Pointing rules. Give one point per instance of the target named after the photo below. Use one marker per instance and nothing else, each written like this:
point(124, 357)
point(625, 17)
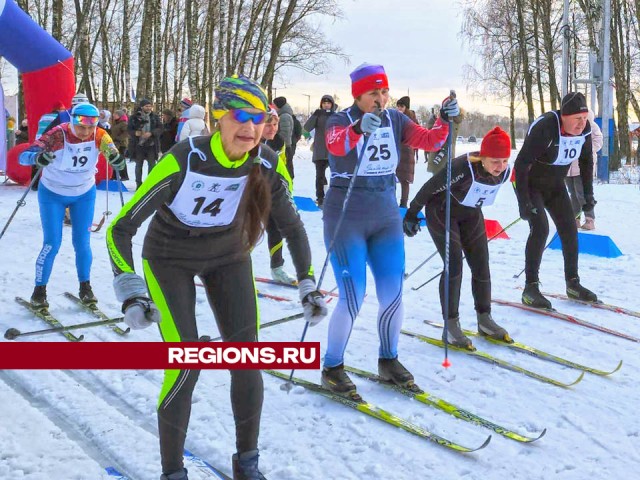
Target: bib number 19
point(212, 209)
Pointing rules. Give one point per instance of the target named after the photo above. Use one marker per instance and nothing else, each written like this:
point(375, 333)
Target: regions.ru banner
point(158, 355)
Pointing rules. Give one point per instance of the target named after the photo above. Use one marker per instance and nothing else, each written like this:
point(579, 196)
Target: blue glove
point(44, 158)
point(117, 161)
point(589, 204)
point(370, 122)
point(449, 109)
point(410, 224)
point(315, 309)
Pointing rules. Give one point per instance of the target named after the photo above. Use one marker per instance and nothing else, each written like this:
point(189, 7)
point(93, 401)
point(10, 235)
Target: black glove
point(439, 156)
point(44, 158)
point(117, 161)
point(411, 224)
point(589, 203)
point(527, 210)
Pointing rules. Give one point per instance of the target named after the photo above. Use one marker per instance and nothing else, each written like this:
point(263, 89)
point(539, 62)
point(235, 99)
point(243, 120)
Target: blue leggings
point(52, 208)
point(378, 242)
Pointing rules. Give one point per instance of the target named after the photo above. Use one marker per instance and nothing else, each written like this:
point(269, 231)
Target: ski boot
point(455, 337)
point(336, 380)
point(489, 328)
point(245, 466)
point(392, 371)
point(86, 294)
point(279, 274)
point(531, 296)
point(181, 475)
point(578, 292)
point(39, 298)
point(589, 224)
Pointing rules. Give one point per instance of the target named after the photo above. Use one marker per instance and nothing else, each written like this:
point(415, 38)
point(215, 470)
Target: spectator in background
point(104, 120)
point(183, 109)
point(147, 128)
point(318, 122)
point(169, 130)
point(286, 129)
point(120, 137)
point(195, 126)
point(407, 164)
point(47, 118)
point(574, 180)
point(22, 135)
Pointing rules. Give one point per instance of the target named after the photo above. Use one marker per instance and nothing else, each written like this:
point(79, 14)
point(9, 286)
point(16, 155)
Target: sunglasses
point(242, 116)
point(84, 120)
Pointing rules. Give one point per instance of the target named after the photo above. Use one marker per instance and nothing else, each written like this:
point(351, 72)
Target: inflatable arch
point(47, 70)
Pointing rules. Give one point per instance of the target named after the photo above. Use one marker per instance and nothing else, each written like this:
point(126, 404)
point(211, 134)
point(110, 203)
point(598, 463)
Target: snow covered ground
point(70, 425)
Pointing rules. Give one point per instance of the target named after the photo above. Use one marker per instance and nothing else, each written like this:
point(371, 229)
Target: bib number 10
point(379, 152)
point(212, 209)
point(570, 153)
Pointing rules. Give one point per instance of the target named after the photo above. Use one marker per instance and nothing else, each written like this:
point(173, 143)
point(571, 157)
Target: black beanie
point(279, 102)
point(573, 103)
point(404, 101)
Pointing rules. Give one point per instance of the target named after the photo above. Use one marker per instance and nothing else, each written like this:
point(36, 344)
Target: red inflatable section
point(16, 172)
point(493, 227)
point(104, 169)
point(46, 87)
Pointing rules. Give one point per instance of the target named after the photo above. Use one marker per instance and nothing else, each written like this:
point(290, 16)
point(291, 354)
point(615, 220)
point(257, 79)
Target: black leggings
point(321, 178)
point(275, 243)
point(468, 236)
point(555, 199)
point(231, 294)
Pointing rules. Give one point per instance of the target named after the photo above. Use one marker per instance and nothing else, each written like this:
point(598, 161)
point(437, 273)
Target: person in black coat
point(145, 128)
point(318, 121)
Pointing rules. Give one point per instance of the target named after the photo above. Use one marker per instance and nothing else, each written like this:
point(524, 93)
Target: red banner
point(158, 355)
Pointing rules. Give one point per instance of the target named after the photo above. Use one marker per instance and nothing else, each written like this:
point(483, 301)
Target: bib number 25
point(212, 209)
point(379, 152)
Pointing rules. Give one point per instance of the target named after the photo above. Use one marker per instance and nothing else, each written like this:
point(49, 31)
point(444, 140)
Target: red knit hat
point(496, 144)
point(368, 77)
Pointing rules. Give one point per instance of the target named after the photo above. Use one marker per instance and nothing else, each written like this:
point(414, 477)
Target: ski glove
point(449, 109)
point(370, 122)
point(527, 210)
point(410, 224)
point(313, 302)
point(117, 161)
point(139, 311)
point(44, 158)
point(589, 204)
point(438, 157)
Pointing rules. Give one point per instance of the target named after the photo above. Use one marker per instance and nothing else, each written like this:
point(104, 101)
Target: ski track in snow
point(73, 424)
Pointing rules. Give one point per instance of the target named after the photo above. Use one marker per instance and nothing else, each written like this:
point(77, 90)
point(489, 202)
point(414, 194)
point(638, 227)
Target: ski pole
point(206, 338)
point(120, 186)
point(288, 385)
point(107, 212)
point(13, 333)
point(447, 243)
point(545, 247)
point(407, 275)
point(464, 256)
point(21, 202)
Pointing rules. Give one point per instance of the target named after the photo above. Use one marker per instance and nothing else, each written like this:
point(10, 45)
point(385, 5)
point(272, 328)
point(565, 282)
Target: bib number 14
point(212, 209)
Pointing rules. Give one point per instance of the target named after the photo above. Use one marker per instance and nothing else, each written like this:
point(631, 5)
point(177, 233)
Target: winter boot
point(391, 370)
point(245, 466)
point(86, 294)
point(39, 298)
point(454, 335)
point(279, 274)
point(337, 380)
point(578, 226)
point(181, 475)
point(577, 291)
point(531, 296)
point(489, 328)
point(589, 224)
point(67, 217)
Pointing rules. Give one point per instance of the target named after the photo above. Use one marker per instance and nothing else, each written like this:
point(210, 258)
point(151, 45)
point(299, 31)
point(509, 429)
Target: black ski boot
point(86, 294)
point(181, 475)
point(391, 370)
point(578, 292)
point(489, 328)
point(39, 298)
point(245, 466)
point(531, 296)
point(455, 336)
point(336, 380)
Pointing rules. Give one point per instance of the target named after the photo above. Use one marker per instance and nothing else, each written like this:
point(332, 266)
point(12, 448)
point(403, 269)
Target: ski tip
point(578, 380)
point(486, 442)
point(542, 434)
point(612, 371)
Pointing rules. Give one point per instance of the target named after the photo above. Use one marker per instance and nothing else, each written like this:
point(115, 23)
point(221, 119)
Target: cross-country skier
point(371, 231)
point(210, 197)
point(554, 140)
point(68, 154)
point(475, 180)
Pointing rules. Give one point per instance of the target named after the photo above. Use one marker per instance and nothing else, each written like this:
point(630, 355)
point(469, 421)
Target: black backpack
point(297, 130)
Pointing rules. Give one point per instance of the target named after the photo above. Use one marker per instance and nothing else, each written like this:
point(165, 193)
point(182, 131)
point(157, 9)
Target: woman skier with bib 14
point(476, 179)
point(364, 146)
point(210, 197)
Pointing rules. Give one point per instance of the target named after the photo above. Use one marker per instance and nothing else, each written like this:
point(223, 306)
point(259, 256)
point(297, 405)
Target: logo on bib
point(233, 187)
point(215, 188)
point(197, 185)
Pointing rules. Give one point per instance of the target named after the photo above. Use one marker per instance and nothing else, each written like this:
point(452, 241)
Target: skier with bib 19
point(553, 142)
point(476, 179)
point(364, 141)
point(67, 155)
point(210, 197)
